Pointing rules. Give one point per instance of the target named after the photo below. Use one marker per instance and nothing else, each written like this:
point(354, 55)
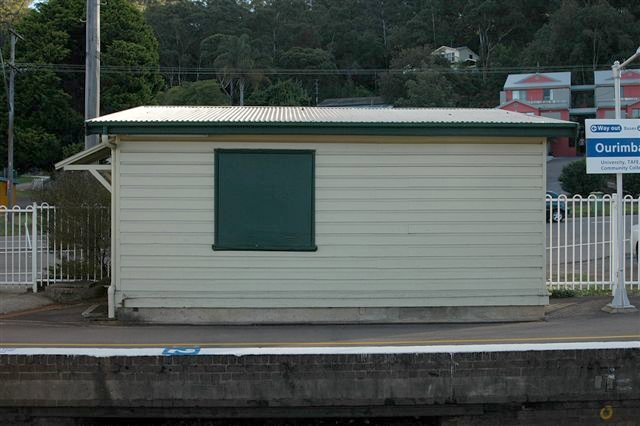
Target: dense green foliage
point(281, 93)
point(82, 220)
point(575, 180)
point(12, 10)
point(203, 92)
point(50, 95)
point(293, 52)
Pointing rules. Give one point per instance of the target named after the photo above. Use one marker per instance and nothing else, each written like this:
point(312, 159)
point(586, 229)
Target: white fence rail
point(40, 246)
point(581, 240)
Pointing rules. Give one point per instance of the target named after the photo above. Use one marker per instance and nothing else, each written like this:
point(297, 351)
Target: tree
point(279, 25)
point(203, 92)
point(233, 58)
point(575, 180)
point(348, 35)
point(128, 43)
point(581, 32)
point(179, 27)
point(44, 121)
point(432, 22)
point(351, 32)
point(282, 93)
point(12, 10)
point(82, 220)
point(631, 184)
point(419, 79)
point(303, 58)
point(35, 148)
point(492, 21)
point(428, 90)
point(50, 90)
point(315, 69)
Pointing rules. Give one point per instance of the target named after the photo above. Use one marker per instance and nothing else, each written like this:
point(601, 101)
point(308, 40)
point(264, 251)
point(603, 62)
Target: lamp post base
point(627, 309)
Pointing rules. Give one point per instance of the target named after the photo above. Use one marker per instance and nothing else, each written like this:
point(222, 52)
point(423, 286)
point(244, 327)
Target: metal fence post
point(613, 215)
point(34, 248)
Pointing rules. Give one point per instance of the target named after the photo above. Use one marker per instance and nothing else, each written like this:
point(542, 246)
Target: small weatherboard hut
point(292, 214)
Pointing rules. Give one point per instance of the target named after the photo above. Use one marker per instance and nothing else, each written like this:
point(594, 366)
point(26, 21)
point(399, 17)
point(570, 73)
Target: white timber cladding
point(397, 225)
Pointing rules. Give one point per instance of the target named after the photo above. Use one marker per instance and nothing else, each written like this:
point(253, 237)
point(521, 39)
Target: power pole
point(11, 99)
point(92, 69)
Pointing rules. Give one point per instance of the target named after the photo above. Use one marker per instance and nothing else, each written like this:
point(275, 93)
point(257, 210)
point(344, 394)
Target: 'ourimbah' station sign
point(613, 146)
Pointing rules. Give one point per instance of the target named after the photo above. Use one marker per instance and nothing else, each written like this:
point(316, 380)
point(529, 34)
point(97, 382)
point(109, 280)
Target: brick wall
point(423, 384)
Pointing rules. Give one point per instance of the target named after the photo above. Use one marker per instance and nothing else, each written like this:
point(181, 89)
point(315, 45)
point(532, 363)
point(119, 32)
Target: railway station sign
point(613, 146)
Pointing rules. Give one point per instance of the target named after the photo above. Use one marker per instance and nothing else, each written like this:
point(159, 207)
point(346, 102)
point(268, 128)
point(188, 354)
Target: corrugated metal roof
point(314, 120)
point(313, 115)
point(542, 106)
point(98, 152)
point(611, 103)
point(605, 78)
point(518, 81)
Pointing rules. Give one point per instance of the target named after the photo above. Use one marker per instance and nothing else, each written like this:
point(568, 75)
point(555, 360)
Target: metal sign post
point(620, 299)
point(613, 146)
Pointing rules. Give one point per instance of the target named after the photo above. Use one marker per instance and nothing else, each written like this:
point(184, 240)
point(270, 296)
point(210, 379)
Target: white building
point(457, 55)
point(290, 214)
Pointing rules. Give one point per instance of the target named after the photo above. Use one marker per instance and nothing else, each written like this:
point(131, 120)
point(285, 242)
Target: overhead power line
point(141, 69)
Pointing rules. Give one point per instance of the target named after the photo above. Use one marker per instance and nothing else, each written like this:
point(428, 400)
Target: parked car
point(556, 210)
point(635, 231)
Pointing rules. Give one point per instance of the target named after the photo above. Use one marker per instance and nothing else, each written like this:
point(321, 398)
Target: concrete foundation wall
point(402, 315)
point(444, 384)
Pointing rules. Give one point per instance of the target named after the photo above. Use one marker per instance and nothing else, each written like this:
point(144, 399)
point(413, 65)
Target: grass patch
point(597, 209)
point(24, 179)
point(561, 293)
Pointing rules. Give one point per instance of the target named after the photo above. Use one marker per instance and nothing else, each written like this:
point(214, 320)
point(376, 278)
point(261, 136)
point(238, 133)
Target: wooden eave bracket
point(88, 160)
point(95, 170)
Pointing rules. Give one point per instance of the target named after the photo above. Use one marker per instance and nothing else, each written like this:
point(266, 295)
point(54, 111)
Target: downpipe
point(111, 296)
point(111, 291)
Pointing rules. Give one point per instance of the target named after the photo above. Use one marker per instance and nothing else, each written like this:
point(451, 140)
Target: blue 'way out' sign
point(613, 146)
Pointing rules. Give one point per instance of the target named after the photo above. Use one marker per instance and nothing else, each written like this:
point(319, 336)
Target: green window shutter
point(264, 200)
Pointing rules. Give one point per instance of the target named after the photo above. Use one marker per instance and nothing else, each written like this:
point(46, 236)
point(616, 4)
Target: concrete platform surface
point(17, 299)
point(567, 320)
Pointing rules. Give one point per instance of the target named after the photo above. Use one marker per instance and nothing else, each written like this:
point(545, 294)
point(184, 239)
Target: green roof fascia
point(384, 129)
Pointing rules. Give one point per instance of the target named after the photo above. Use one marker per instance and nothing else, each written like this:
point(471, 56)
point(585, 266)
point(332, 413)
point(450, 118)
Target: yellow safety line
point(359, 343)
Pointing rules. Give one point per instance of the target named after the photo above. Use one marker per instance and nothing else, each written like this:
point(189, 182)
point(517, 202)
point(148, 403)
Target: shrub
point(82, 220)
point(561, 293)
point(575, 180)
point(631, 184)
point(282, 93)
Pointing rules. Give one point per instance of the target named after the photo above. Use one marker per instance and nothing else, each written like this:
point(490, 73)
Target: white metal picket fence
point(579, 246)
point(581, 240)
point(30, 253)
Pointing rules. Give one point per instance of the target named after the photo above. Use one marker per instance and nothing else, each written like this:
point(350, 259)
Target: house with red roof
point(541, 94)
point(629, 96)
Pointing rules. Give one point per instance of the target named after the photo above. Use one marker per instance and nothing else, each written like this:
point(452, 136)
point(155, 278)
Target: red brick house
point(541, 94)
